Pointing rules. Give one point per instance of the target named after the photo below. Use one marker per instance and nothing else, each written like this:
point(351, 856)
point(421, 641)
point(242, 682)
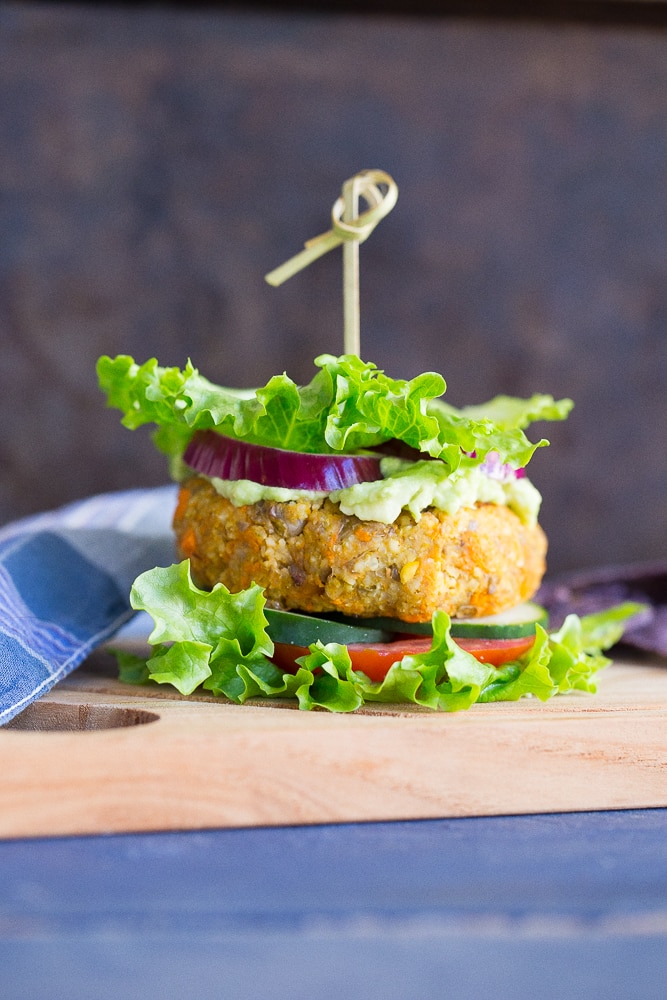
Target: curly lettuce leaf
point(498, 425)
point(200, 636)
point(348, 406)
point(509, 413)
point(218, 641)
point(369, 408)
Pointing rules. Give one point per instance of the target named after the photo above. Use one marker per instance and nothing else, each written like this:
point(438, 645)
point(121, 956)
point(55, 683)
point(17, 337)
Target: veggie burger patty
point(310, 556)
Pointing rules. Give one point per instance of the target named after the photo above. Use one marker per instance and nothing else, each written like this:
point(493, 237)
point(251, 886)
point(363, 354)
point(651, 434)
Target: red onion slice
point(212, 454)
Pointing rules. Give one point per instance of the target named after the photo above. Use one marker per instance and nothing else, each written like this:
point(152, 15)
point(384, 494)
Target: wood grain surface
point(95, 756)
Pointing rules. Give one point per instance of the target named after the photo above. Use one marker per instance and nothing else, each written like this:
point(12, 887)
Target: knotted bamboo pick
point(348, 228)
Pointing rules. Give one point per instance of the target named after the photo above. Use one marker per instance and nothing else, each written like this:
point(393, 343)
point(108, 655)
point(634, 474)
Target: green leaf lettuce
point(348, 406)
point(218, 641)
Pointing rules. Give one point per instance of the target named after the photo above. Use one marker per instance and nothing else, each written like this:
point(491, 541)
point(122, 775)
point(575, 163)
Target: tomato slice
point(497, 651)
point(375, 659)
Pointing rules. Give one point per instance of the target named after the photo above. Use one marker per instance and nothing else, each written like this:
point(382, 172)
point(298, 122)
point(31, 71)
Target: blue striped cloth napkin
point(65, 578)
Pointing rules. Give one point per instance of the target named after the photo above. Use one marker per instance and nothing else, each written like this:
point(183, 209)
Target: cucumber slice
point(515, 623)
point(300, 630)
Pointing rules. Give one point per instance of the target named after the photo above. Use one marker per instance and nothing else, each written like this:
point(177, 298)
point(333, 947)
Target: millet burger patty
point(309, 556)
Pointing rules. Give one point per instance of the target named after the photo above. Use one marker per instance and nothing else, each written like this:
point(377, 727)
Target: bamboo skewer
point(349, 228)
point(351, 317)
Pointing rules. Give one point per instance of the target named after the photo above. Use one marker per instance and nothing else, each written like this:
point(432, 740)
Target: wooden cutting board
point(95, 756)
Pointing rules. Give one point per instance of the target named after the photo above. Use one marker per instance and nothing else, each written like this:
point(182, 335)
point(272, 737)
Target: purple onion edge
point(213, 454)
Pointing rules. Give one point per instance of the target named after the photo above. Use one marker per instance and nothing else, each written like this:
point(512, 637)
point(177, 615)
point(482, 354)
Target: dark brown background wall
point(155, 163)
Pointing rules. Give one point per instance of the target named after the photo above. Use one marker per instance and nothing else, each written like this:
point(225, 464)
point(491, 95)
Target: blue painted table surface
point(546, 906)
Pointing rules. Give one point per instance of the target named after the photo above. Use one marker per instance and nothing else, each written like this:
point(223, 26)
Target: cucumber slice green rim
point(516, 623)
point(296, 629)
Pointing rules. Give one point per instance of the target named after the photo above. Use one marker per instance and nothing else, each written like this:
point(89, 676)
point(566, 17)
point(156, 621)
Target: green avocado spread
point(411, 486)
